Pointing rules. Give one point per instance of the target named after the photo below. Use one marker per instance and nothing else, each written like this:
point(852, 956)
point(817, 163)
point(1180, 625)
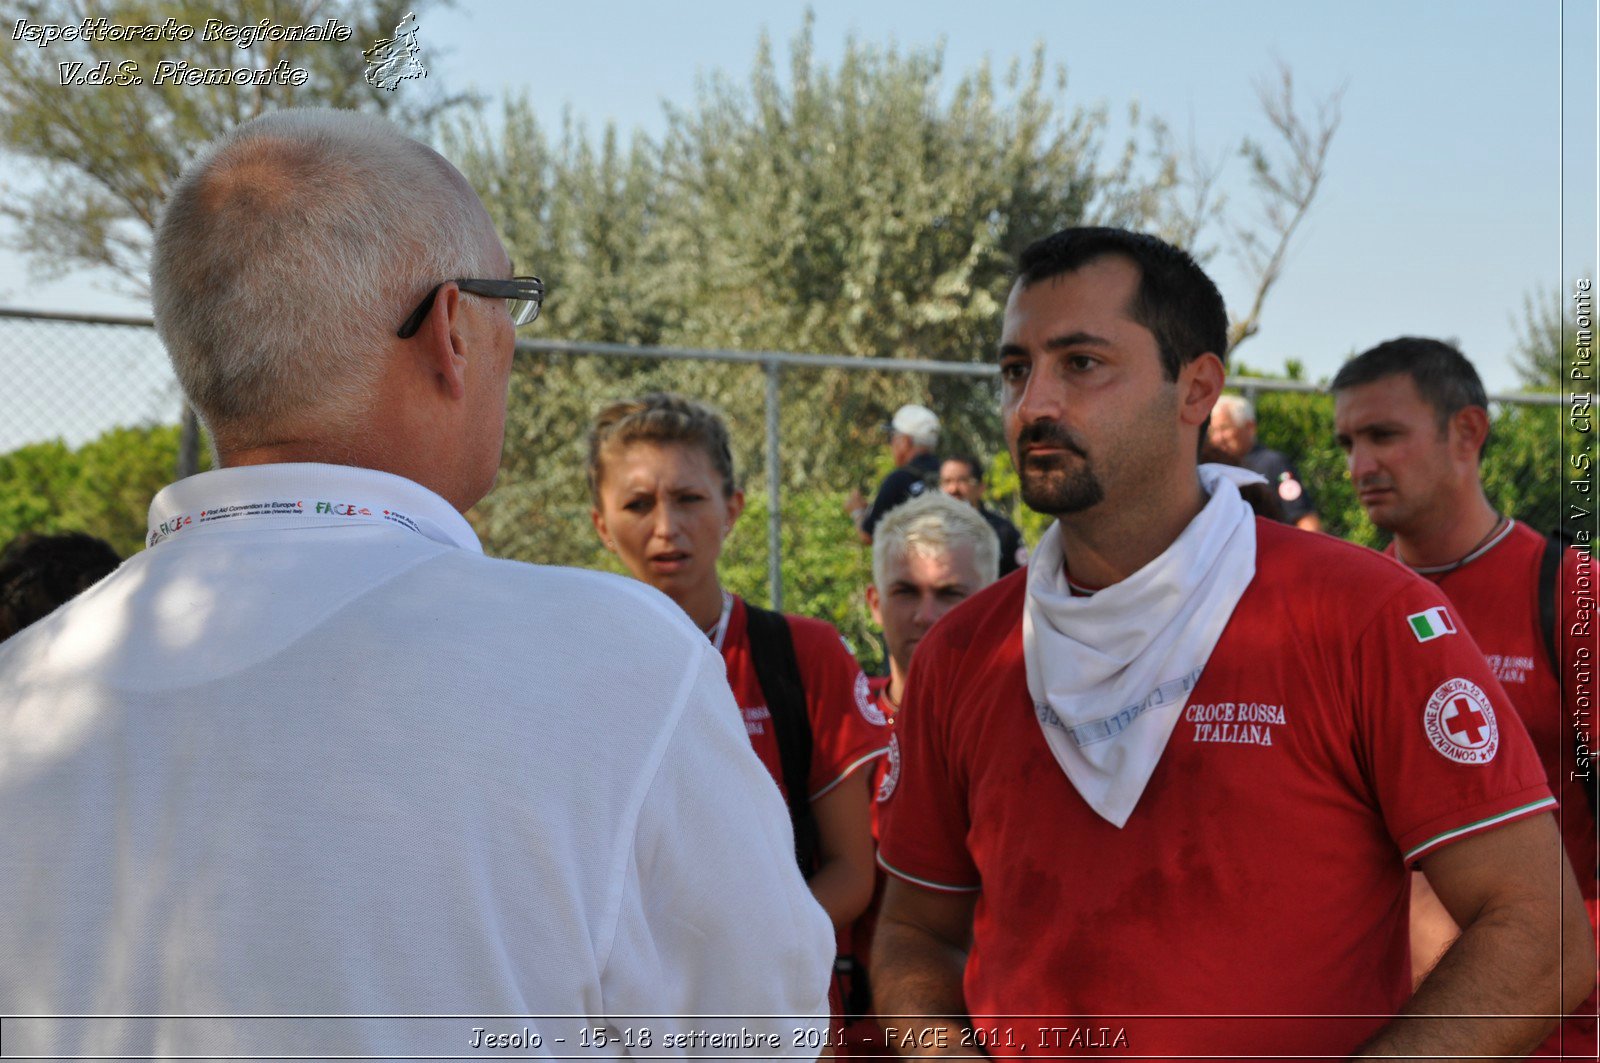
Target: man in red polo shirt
point(929, 555)
point(1412, 416)
point(1161, 796)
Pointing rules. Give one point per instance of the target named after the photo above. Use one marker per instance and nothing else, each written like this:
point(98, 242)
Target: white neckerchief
point(304, 496)
point(1110, 674)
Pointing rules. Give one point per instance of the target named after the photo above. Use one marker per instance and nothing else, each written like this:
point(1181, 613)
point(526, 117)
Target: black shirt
point(1011, 548)
point(1283, 479)
point(919, 474)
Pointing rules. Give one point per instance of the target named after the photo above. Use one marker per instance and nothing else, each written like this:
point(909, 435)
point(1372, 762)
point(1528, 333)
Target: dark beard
point(1049, 485)
point(1056, 491)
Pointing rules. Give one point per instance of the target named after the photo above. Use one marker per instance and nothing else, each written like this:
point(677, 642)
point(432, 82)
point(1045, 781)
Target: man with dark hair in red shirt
point(1164, 788)
point(1412, 417)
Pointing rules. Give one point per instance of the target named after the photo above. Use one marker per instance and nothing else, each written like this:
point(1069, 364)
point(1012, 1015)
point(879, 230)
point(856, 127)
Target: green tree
point(101, 159)
point(1287, 187)
point(825, 571)
point(1523, 469)
point(872, 207)
point(1536, 444)
point(34, 483)
point(103, 487)
point(1546, 352)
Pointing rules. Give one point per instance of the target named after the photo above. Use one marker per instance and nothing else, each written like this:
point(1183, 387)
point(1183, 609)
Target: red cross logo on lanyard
point(1466, 723)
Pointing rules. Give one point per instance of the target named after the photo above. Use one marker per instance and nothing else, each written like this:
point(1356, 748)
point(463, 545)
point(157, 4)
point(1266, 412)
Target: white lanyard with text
point(286, 511)
point(718, 633)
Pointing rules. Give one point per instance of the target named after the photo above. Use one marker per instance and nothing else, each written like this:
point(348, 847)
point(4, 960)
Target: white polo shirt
point(313, 754)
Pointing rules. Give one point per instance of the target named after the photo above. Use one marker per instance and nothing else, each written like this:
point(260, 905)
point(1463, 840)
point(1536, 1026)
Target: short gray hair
point(289, 253)
point(934, 523)
point(1237, 407)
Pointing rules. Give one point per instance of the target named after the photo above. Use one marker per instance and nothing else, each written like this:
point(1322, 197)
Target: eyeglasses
point(523, 296)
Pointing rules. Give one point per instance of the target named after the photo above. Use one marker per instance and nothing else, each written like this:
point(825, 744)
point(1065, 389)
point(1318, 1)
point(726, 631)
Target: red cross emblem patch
point(1459, 721)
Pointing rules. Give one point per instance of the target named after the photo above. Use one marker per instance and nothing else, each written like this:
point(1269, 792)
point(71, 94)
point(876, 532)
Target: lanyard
point(284, 511)
point(718, 633)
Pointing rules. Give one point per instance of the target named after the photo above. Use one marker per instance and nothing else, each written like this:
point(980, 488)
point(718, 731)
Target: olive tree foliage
point(1286, 187)
point(583, 216)
point(103, 487)
point(873, 206)
point(864, 209)
point(1546, 353)
point(99, 161)
point(1547, 359)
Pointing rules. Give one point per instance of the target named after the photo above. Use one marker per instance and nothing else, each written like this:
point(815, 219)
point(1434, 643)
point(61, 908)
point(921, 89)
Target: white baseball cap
point(918, 422)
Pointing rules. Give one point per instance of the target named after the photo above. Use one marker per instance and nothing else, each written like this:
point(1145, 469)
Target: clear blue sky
point(1443, 207)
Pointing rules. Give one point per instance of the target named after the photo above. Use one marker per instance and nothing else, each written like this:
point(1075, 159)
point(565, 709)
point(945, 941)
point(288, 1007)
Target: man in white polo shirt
point(312, 754)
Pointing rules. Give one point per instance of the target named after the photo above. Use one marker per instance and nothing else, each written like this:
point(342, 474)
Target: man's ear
point(443, 348)
point(874, 606)
point(1471, 429)
point(1199, 385)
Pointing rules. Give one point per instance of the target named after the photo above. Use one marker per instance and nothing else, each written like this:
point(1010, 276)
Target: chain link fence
point(94, 398)
point(72, 378)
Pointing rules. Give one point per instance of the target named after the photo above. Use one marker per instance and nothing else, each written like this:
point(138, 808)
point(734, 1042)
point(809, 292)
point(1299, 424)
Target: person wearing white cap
point(913, 433)
point(1233, 431)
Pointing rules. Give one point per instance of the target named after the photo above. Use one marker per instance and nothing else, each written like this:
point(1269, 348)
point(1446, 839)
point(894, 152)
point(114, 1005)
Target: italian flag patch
point(1431, 624)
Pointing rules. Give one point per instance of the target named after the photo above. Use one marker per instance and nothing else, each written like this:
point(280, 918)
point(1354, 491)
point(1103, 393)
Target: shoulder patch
point(866, 704)
point(1459, 722)
point(891, 778)
point(1431, 624)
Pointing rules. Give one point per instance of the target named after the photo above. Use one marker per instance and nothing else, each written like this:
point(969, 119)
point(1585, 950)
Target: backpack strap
point(778, 672)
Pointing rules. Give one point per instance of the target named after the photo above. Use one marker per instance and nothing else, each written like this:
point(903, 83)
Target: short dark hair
point(1176, 301)
point(1443, 376)
point(973, 464)
point(40, 572)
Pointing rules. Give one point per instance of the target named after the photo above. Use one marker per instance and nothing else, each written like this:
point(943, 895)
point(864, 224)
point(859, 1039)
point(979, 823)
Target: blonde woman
point(662, 484)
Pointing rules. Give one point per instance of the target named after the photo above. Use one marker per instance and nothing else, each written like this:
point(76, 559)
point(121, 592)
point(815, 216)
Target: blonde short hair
point(659, 417)
point(934, 523)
